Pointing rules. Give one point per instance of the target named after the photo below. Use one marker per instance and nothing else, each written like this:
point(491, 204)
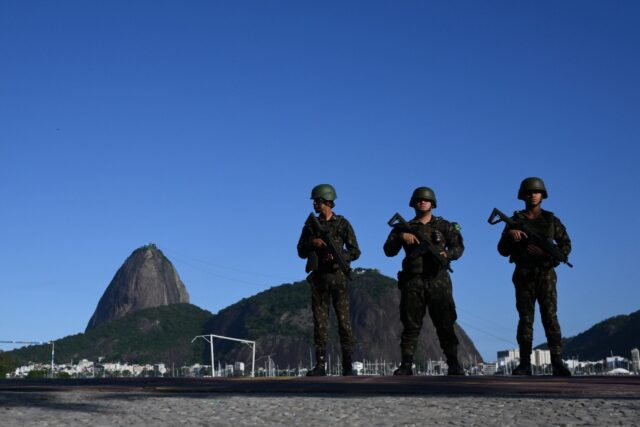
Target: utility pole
point(53, 352)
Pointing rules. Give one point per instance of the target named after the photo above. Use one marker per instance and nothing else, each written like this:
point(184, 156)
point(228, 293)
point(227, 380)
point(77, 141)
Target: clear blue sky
point(202, 126)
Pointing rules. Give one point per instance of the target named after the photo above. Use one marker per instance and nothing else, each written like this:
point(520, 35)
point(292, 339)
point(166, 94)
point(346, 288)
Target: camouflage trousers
point(327, 288)
point(537, 284)
point(418, 293)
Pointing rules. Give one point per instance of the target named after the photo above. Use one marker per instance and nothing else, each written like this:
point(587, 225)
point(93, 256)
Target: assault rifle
point(425, 247)
point(327, 236)
point(533, 238)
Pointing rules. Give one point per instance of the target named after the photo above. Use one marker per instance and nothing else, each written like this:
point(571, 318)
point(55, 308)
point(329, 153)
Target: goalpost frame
point(209, 338)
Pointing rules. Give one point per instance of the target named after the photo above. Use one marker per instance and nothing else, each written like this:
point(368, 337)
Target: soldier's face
point(423, 205)
point(533, 198)
point(317, 205)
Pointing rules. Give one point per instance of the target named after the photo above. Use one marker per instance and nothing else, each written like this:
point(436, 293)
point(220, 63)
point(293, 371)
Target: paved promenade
point(355, 401)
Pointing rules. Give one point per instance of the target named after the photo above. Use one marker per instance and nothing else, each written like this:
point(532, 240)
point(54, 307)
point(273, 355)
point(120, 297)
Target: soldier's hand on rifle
point(536, 251)
point(318, 243)
point(444, 254)
point(410, 239)
point(517, 235)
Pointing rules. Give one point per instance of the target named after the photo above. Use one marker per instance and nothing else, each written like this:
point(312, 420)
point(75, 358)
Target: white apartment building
point(540, 357)
point(635, 360)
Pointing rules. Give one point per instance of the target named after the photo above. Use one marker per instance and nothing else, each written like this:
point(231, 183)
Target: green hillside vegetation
point(160, 334)
point(7, 364)
point(278, 310)
point(617, 335)
point(265, 311)
point(272, 312)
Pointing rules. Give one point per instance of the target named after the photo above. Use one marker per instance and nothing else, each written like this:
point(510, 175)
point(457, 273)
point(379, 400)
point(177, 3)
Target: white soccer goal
point(209, 338)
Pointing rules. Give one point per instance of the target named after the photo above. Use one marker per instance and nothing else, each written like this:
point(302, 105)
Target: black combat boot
point(454, 367)
point(406, 368)
point(319, 370)
point(451, 353)
point(524, 368)
point(557, 365)
point(347, 365)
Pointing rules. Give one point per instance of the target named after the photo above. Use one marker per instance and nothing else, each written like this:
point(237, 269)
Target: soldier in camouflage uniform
point(328, 282)
point(424, 283)
point(534, 276)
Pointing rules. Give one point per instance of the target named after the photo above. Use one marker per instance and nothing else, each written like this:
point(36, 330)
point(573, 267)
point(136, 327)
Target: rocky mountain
point(617, 335)
point(278, 319)
point(146, 279)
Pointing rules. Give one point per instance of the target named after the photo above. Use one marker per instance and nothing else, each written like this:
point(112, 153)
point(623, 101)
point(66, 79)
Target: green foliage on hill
point(266, 310)
point(7, 364)
point(374, 283)
point(160, 334)
point(617, 335)
point(278, 310)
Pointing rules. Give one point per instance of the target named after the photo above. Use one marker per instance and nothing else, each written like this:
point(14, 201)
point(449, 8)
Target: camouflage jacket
point(546, 225)
point(343, 237)
point(444, 235)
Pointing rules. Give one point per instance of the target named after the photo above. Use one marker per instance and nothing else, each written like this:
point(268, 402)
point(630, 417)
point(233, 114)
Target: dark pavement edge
point(551, 387)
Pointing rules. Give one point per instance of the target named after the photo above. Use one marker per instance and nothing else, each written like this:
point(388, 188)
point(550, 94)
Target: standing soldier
point(424, 280)
point(534, 276)
point(328, 281)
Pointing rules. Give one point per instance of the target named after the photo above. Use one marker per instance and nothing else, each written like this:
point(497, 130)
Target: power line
point(220, 276)
point(224, 267)
point(486, 333)
point(493, 324)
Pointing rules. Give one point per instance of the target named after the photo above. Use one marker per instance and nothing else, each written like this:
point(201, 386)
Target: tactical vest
point(435, 231)
point(315, 262)
point(543, 225)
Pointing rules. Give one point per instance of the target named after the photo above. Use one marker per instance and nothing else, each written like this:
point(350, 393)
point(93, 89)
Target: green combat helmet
point(423, 193)
point(532, 184)
point(325, 192)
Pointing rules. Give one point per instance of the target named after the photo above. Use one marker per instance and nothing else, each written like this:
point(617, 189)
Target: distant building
point(228, 370)
point(238, 369)
point(160, 369)
point(615, 362)
point(488, 368)
point(573, 364)
point(512, 358)
point(635, 360)
point(507, 360)
point(509, 355)
point(540, 357)
point(195, 370)
point(358, 367)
